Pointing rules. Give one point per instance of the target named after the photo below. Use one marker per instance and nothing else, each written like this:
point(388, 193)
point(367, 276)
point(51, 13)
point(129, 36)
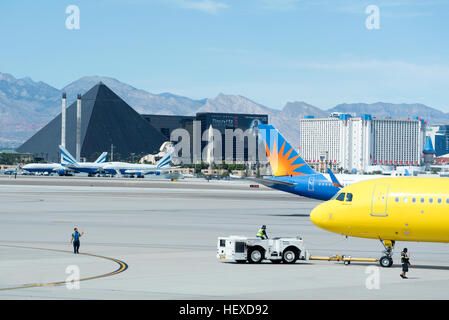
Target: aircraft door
point(311, 184)
point(379, 200)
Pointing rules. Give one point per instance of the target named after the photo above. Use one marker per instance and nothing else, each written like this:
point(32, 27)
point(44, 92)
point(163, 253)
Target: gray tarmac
point(166, 234)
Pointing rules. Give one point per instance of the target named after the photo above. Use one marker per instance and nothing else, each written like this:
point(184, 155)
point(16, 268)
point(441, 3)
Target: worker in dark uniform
point(262, 234)
point(405, 261)
point(76, 240)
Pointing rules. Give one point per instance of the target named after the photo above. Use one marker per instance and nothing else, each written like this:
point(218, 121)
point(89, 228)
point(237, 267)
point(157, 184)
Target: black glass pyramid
point(105, 119)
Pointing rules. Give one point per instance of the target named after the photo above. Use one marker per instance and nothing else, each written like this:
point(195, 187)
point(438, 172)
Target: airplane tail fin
point(407, 174)
point(284, 160)
point(165, 161)
point(334, 179)
point(67, 158)
point(102, 158)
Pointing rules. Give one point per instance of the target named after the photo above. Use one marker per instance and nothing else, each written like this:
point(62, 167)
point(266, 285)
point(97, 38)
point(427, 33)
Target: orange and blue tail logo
point(284, 160)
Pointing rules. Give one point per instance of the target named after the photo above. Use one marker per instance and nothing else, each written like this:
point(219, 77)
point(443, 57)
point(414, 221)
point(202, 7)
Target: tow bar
point(346, 259)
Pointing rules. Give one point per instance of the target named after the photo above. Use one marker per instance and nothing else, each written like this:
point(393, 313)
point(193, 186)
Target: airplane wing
point(164, 168)
point(146, 171)
point(62, 169)
point(134, 171)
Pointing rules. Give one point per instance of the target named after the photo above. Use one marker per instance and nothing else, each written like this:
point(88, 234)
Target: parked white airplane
point(68, 161)
point(45, 168)
point(123, 168)
point(12, 171)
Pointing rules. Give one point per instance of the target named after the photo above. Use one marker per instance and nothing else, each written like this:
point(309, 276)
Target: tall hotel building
point(349, 142)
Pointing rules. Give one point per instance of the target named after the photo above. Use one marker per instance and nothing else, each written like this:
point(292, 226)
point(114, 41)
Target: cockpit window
point(349, 197)
point(340, 197)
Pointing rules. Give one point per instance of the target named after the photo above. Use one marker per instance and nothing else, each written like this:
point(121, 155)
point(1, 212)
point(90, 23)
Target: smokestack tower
point(64, 105)
point(78, 128)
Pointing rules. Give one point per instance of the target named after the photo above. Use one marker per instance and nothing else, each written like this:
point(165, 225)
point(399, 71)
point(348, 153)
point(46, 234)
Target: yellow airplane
point(389, 209)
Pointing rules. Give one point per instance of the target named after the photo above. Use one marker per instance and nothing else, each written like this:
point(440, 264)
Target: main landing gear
point(387, 261)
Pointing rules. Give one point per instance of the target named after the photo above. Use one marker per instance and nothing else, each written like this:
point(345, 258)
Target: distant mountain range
point(26, 106)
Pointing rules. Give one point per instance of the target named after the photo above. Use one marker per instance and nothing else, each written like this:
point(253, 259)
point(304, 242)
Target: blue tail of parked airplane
point(66, 158)
point(284, 160)
point(290, 172)
point(165, 160)
point(102, 158)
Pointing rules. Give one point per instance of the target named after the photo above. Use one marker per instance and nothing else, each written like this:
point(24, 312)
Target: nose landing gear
point(387, 261)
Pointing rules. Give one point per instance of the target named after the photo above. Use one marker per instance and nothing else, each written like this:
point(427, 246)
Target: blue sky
point(271, 51)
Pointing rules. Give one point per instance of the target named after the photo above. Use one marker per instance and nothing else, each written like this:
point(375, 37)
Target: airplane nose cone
point(318, 216)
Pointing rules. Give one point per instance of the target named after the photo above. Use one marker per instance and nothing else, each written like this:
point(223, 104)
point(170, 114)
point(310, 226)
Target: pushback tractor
point(255, 250)
point(242, 249)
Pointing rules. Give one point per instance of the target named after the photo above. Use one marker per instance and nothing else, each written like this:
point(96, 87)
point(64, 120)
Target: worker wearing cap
point(262, 234)
point(405, 261)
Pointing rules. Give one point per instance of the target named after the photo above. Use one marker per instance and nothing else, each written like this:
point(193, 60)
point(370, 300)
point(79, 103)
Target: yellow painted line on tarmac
point(122, 267)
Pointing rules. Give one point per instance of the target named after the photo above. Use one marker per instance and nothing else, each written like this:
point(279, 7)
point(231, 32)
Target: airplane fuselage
point(86, 167)
point(399, 208)
point(310, 186)
point(130, 168)
point(43, 167)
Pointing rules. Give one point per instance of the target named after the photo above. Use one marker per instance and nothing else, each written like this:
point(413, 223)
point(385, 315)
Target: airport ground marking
point(122, 267)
